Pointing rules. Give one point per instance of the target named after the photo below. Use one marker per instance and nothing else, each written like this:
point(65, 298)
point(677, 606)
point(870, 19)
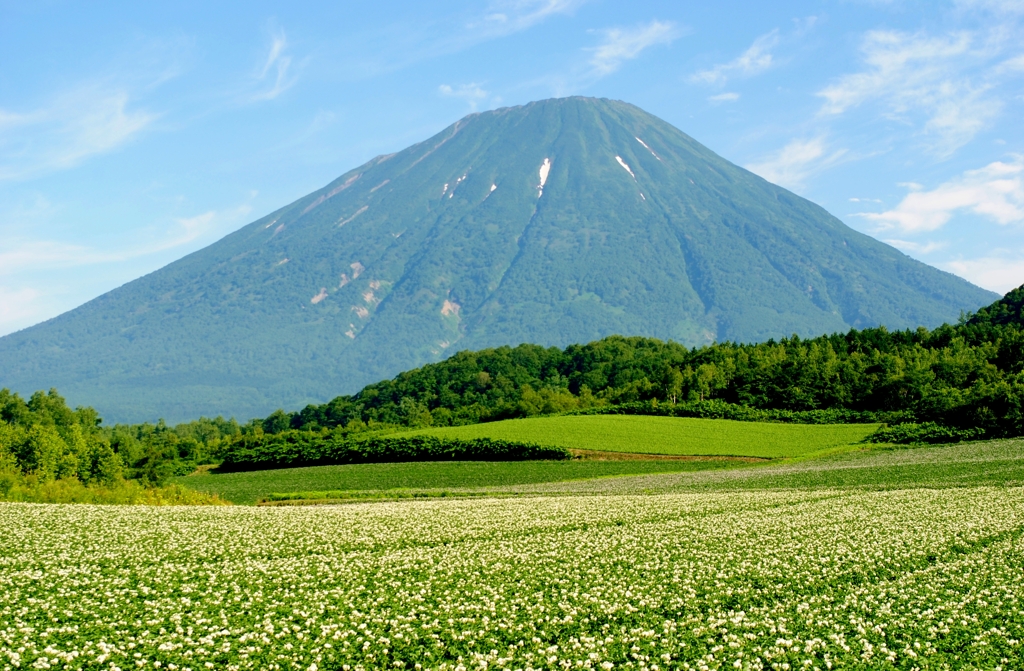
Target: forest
point(49, 452)
point(956, 382)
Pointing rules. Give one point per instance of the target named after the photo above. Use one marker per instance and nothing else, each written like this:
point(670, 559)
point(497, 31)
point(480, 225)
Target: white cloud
point(999, 273)
point(725, 98)
point(275, 70)
point(997, 6)
point(921, 75)
point(511, 16)
point(791, 165)
point(18, 308)
point(756, 59)
point(620, 44)
point(917, 247)
point(1011, 65)
point(31, 255)
point(73, 127)
point(995, 192)
point(473, 93)
point(41, 254)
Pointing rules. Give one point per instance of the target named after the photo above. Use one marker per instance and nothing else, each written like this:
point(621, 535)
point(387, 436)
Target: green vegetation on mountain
point(454, 244)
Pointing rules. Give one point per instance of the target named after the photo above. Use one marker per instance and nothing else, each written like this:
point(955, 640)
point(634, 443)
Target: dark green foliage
point(928, 432)
point(715, 409)
point(386, 269)
point(45, 440)
point(308, 448)
point(1008, 310)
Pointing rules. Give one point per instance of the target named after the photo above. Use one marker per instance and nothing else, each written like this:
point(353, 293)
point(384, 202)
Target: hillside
point(557, 222)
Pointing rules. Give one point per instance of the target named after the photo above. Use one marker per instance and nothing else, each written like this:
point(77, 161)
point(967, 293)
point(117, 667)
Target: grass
point(371, 479)
point(668, 435)
point(986, 463)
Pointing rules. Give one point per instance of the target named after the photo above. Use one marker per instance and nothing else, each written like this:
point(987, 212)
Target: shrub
point(926, 432)
point(308, 448)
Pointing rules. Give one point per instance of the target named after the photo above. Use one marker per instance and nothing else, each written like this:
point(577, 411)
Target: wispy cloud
point(1001, 271)
point(793, 164)
point(472, 93)
point(917, 74)
point(73, 127)
point(510, 16)
point(917, 247)
point(20, 307)
point(756, 59)
point(24, 255)
point(995, 192)
point(623, 44)
point(275, 77)
point(996, 6)
point(725, 98)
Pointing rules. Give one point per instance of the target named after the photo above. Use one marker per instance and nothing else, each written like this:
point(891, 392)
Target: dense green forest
point(966, 376)
point(49, 452)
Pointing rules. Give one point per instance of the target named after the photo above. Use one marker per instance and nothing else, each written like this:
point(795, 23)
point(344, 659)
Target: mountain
point(556, 222)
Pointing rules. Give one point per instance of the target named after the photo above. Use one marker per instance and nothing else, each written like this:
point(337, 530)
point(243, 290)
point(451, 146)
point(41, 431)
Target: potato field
point(788, 579)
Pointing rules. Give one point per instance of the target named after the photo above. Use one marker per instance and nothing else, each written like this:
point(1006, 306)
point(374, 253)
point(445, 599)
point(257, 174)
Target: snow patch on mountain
point(545, 170)
point(623, 164)
point(647, 148)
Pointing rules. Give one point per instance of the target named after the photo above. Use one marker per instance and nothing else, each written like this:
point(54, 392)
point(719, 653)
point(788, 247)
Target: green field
point(905, 559)
point(662, 436)
point(250, 487)
point(667, 435)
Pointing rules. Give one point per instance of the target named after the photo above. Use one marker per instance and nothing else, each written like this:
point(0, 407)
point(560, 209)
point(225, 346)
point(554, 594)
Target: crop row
point(784, 580)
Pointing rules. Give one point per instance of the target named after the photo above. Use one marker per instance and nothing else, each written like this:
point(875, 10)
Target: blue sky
point(134, 133)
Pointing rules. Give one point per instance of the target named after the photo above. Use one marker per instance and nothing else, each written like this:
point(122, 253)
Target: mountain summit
point(556, 222)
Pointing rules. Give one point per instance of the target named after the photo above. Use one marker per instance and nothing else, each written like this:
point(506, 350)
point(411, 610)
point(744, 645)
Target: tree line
point(49, 451)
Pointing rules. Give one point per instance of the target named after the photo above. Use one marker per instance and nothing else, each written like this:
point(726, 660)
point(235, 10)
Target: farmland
point(667, 435)
point(249, 487)
point(919, 578)
point(877, 558)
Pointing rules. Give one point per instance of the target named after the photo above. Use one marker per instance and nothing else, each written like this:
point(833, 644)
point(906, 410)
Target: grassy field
point(923, 575)
point(611, 434)
point(250, 487)
point(668, 435)
point(987, 463)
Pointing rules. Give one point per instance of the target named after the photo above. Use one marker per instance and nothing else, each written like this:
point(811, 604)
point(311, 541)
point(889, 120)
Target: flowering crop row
point(764, 580)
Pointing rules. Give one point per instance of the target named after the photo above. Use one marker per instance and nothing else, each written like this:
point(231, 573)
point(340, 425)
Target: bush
point(308, 448)
point(33, 489)
point(715, 409)
point(926, 432)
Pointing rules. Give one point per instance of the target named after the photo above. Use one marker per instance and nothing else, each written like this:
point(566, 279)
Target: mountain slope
point(560, 221)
